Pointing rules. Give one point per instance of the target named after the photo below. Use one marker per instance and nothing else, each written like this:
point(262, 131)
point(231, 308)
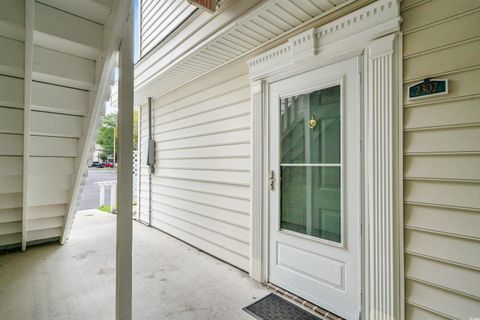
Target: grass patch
point(106, 208)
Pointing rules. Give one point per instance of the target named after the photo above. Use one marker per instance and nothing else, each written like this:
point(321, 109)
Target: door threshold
point(317, 310)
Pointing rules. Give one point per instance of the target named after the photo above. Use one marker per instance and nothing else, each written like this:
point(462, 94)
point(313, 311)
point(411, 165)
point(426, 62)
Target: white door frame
point(372, 31)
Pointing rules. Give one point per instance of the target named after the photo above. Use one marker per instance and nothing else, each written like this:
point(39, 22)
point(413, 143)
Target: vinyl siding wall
point(159, 18)
point(201, 186)
point(442, 160)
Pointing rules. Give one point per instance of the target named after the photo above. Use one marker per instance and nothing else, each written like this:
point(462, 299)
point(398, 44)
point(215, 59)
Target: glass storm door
point(315, 179)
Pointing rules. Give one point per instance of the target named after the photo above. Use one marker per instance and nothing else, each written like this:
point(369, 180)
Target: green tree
point(105, 136)
point(106, 132)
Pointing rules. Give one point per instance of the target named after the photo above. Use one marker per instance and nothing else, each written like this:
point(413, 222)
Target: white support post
point(102, 195)
point(123, 310)
point(257, 241)
point(29, 23)
point(381, 145)
point(113, 196)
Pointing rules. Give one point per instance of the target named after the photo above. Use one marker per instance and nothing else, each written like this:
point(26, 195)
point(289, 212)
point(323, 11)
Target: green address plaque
point(428, 88)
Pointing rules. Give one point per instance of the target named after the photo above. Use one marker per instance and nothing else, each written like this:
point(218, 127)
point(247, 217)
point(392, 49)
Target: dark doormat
point(272, 307)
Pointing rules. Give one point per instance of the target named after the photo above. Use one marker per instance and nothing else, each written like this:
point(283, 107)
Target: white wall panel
point(53, 146)
point(48, 196)
point(442, 161)
point(10, 190)
point(45, 223)
point(10, 215)
point(11, 92)
point(52, 165)
point(200, 189)
point(11, 144)
point(11, 57)
point(52, 98)
point(35, 235)
point(94, 10)
point(58, 125)
point(63, 69)
point(10, 201)
point(12, 19)
point(58, 30)
point(41, 212)
point(159, 19)
point(11, 120)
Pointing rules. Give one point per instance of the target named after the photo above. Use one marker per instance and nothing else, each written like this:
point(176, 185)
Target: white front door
point(315, 186)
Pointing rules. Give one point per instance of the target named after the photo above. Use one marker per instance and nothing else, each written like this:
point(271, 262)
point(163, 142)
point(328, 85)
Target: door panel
point(314, 154)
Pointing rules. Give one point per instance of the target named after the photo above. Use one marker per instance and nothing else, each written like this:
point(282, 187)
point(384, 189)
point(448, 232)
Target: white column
point(102, 195)
point(381, 145)
point(113, 196)
point(257, 183)
point(123, 309)
point(29, 23)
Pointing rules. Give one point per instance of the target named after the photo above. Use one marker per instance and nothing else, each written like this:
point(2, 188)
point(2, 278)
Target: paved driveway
point(91, 192)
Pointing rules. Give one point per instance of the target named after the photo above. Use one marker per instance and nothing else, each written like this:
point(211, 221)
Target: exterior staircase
point(56, 63)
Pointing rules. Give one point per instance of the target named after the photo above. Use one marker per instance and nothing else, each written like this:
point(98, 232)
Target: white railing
point(113, 193)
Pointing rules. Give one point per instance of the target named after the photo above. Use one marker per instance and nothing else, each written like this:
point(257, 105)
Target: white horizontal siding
point(11, 92)
point(442, 161)
point(159, 19)
point(200, 189)
point(11, 120)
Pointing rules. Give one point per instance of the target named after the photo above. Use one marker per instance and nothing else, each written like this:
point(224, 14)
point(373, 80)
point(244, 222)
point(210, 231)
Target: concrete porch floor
point(171, 280)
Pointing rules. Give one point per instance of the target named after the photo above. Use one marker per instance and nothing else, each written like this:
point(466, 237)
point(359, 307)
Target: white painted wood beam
point(124, 177)
point(29, 23)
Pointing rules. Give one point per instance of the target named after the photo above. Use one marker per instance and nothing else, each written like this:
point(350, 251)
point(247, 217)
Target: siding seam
point(435, 205)
point(445, 73)
point(197, 236)
point(442, 233)
point(441, 101)
point(429, 310)
point(453, 263)
point(226, 235)
point(205, 192)
point(437, 49)
point(439, 22)
point(201, 203)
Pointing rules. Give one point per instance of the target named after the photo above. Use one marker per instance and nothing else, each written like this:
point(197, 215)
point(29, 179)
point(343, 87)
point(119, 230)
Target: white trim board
point(371, 31)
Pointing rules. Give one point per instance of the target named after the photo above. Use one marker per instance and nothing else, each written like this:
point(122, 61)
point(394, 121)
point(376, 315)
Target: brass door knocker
point(312, 123)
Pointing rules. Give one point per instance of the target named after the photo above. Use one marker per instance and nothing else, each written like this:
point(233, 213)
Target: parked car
point(96, 164)
point(108, 164)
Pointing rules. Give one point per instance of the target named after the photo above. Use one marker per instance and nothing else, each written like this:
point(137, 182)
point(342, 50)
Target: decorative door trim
point(372, 31)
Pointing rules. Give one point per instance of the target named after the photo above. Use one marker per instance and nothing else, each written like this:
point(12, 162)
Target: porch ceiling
point(163, 71)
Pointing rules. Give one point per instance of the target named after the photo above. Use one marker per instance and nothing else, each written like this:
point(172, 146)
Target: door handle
point(271, 180)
